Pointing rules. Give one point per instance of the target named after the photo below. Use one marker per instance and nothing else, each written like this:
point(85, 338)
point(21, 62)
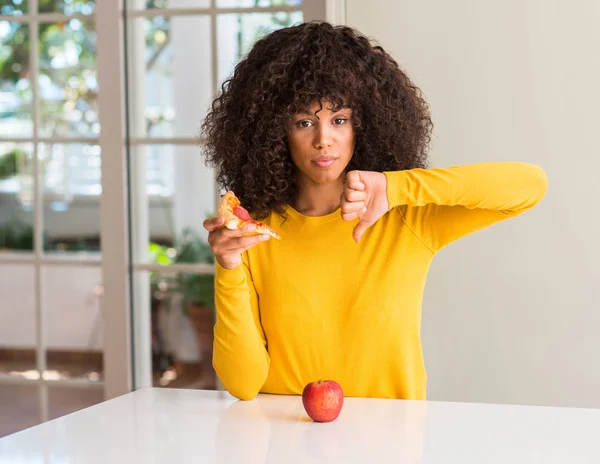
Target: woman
point(323, 137)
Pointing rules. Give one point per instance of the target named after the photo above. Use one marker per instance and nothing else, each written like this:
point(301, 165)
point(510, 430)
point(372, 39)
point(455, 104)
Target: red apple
point(323, 400)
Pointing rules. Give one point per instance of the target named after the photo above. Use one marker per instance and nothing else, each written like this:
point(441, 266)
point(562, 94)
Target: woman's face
point(321, 142)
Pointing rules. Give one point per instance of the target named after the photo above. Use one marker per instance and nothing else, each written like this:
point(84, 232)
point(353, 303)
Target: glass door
point(179, 51)
point(54, 323)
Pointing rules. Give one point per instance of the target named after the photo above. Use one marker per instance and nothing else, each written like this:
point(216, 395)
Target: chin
point(325, 177)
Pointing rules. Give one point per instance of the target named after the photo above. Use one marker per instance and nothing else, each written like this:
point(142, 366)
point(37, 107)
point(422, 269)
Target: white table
point(193, 426)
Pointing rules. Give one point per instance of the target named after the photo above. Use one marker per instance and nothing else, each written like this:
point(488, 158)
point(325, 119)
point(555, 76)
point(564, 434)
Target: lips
point(324, 161)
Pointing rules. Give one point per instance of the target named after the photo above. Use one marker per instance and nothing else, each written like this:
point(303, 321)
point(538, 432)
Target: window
point(55, 104)
point(62, 81)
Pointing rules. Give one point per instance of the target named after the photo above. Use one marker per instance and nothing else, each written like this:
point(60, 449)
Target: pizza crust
point(229, 203)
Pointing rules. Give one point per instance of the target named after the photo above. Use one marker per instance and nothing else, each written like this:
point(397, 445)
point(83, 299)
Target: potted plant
point(161, 287)
point(197, 291)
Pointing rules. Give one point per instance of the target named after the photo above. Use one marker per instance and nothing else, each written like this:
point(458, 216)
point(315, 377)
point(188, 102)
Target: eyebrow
point(334, 110)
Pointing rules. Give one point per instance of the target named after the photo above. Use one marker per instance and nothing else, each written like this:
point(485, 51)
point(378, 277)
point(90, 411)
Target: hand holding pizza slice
point(236, 217)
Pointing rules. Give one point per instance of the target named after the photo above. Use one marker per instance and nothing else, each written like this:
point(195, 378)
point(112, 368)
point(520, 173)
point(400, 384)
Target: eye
point(305, 123)
point(340, 121)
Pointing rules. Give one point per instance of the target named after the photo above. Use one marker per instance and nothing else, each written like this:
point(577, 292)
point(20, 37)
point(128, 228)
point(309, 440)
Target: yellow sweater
point(317, 305)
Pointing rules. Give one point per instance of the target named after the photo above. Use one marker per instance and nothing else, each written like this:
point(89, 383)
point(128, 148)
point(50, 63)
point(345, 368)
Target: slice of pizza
point(237, 217)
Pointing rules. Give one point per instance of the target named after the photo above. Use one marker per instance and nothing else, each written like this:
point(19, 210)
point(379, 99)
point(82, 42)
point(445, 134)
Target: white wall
point(511, 314)
point(74, 319)
point(82, 217)
point(73, 311)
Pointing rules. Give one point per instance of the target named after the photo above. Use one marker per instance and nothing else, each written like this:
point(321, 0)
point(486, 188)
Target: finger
point(359, 230)
point(353, 207)
point(355, 195)
point(239, 231)
point(354, 181)
point(213, 223)
point(262, 238)
point(244, 242)
point(352, 216)
point(223, 234)
point(248, 228)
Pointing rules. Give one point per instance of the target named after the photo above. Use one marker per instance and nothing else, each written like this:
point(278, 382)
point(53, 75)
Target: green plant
point(197, 289)
point(191, 248)
point(160, 254)
point(9, 163)
point(159, 283)
point(18, 235)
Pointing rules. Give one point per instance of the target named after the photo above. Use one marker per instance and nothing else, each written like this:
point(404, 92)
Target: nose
point(322, 137)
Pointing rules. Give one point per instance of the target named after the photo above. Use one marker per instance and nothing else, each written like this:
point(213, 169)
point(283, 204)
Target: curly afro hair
point(288, 70)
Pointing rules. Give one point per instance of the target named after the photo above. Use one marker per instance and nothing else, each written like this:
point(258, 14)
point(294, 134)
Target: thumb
point(360, 229)
point(354, 176)
point(354, 181)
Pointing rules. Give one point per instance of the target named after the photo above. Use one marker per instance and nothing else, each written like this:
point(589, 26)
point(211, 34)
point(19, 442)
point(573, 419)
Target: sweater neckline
point(312, 220)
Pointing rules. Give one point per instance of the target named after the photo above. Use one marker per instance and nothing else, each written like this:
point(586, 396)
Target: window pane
point(17, 321)
point(255, 3)
point(71, 197)
point(65, 400)
point(71, 169)
point(150, 4)
point(74, 336)
point(16, 190)
point(15, 85)
point(85, 7)
point(181, 309)
point(19, 412)
point(170, 80)
point(13, 7)
point(180, 198)
point(71, 187)
point(238, 32)
point(67, 83)
point(167, 229)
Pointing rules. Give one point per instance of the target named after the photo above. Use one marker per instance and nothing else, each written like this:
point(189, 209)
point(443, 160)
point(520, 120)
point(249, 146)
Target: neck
point(318, 199)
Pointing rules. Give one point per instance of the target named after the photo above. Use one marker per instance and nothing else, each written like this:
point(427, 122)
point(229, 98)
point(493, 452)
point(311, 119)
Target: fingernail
point(265, 237)
point(364, 209)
